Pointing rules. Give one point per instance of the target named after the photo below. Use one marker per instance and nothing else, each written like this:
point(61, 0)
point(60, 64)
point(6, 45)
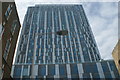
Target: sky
point(102, 16)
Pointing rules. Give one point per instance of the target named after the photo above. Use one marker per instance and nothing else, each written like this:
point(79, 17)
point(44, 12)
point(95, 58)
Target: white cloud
point(108, 9)
point(108, 39)
point(21, 8)
point(97, 24)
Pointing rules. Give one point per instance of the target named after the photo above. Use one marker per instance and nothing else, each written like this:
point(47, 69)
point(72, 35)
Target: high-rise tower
point(52, 56)
point(9, 31)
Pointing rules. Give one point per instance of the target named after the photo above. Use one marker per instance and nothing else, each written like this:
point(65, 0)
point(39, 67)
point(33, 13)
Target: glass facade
point(59, 56)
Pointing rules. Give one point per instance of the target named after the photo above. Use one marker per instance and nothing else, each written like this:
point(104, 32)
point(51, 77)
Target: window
point(14, 25)
point(74, 69)
point(51, 70)
point(119, 62)
point(17, 71)
point(90, 68)
point(25, 71)
point(107, 75)
point(95, 75)
point(8, 11)
point(86, 55)
point(65, 57)
point(86, 75)
point(1, 30)
point(105, 67)
point(62, 69)
point(79, 57)
point(6, 49)
point(70, 57)
point(42, 70)
point(112, 66)
point(6, 14)
point(29, 60)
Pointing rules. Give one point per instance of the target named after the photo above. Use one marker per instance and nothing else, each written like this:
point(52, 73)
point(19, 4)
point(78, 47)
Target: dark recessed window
point(119, 62)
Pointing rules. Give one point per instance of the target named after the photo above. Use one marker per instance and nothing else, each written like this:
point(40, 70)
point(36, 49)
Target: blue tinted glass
point(70, 57)
point(17, 71)
point(42, 70)
point(6, 14)
point(66, 57)
point(51, 70)
point(79, 59)
point(86, 55)
point(29, 60)
point(74, 69)
point(105, 67)
point(86, 75)
point(90, 68)
point(107, 75)
point(25, 71)
point(112, 66)
point(62, 69)
point(95, 75)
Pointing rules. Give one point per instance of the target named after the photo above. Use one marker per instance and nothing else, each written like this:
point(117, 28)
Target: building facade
point(52, 56)
point(116, 55)
point(9, 30)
